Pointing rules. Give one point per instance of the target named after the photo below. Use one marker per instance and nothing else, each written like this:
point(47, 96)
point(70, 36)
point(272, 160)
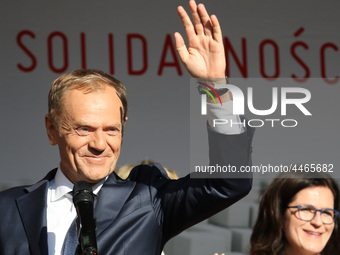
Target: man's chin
point(95, 178)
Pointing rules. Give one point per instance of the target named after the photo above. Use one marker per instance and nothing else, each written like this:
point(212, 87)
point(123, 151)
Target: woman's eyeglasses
point(308, 212)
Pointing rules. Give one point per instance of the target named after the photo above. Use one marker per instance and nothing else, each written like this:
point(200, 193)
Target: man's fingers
point(216, 28)
point(196, 17)
point(180, 47)
point(188, 26)
point(203, 24)
point(205, 20)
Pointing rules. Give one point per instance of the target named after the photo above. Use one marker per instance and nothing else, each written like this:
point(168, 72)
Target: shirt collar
point(61, 186)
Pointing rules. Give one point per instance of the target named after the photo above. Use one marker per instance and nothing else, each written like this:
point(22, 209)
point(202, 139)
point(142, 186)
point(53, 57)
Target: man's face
point(90, 134)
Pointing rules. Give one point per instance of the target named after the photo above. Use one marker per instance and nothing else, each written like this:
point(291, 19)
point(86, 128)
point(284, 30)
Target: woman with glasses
point(298, 215)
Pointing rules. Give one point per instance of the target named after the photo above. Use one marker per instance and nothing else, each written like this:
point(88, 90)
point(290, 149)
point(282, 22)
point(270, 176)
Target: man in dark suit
point(87, 114)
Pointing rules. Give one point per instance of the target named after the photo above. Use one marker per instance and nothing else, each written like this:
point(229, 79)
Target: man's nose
point(98, 140)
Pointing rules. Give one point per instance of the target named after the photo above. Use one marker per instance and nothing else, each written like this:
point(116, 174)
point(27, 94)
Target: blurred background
point(268, 44)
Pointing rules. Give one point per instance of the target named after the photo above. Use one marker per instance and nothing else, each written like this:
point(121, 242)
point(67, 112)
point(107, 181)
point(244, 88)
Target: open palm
point(204, 58)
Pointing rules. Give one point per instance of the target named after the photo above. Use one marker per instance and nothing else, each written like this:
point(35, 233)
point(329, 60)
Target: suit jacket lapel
point(111, 199)
point(32, 209)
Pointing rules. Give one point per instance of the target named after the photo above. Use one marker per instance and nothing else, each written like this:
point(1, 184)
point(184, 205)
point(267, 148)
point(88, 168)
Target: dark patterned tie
point(71, 240)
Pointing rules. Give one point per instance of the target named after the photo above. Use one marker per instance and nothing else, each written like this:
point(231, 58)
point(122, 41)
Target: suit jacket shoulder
point(23, 218)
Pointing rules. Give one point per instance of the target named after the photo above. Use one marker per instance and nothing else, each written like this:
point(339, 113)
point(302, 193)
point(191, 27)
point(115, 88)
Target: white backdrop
point(133, 40)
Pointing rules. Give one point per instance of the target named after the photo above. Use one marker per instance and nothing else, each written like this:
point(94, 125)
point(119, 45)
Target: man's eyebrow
point(80, 124)
point(86, 124)
point(116, 124)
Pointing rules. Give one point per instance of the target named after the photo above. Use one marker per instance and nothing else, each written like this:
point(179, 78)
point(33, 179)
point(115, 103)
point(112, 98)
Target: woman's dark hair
point(268, 237)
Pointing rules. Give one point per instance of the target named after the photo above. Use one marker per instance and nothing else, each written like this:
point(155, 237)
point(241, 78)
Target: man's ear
point(52, 131)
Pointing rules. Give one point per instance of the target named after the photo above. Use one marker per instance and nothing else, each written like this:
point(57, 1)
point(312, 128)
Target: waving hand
point(204, 57)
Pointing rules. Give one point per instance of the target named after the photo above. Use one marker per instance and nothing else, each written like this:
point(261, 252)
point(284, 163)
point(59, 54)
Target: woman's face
point(308, 237)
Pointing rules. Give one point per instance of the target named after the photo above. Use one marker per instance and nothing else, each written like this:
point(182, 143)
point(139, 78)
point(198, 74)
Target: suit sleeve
point(189, 200)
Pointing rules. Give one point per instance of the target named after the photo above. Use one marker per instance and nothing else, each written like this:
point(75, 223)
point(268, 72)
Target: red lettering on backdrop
point(50, 52)
point(169, 45)
point(83, 50)
point(243, 67)
point(27, 51)
point(297, 58)
point(262, 59)
point(323, 63)
point(111, 54)
point(58, 41)
point(142, 70)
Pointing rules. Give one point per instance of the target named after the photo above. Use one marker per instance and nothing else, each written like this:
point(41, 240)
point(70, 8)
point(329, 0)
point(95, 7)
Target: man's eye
point(82, 131)
point(113, 131)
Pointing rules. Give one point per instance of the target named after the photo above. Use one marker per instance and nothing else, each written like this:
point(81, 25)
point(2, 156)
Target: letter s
point(27, 51)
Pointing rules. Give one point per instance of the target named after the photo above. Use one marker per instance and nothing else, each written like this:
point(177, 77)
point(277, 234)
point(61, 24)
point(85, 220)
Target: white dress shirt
point(61, 211)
